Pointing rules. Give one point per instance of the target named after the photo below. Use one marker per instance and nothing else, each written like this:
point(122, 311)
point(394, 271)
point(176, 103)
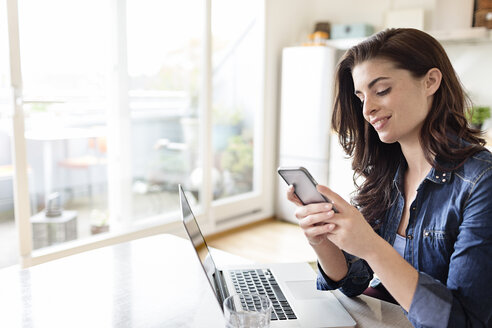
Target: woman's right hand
point(312, 219)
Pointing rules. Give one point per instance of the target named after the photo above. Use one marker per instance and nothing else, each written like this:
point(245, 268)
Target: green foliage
point(99, 218)
point(39, 107)
point(238, 156)
point(226, 116)
point(478, 115)
point(171, 162)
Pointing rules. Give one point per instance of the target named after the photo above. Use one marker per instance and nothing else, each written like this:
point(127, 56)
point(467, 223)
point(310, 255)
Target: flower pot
point(99, 229)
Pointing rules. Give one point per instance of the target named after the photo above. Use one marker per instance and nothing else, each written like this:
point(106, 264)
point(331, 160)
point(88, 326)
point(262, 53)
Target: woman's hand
point(311, 218)
point(347, 229)
point(314, 221)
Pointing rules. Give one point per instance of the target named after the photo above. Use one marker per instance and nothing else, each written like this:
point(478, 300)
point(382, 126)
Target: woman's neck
point(418, 166)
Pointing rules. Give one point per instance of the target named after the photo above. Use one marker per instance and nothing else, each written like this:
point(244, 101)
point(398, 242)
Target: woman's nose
point(369, 107)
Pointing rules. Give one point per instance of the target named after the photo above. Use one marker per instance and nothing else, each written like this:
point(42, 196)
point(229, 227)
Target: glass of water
point(247, 311)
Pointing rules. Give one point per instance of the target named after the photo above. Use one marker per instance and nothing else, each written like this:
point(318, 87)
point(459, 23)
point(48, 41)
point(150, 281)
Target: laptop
point(290, 286)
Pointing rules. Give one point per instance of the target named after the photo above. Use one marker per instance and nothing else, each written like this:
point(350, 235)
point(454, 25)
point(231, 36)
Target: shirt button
point(444, 174)
point(437, 177)
point(410, 237)
point(427, 234)
point(443, 180)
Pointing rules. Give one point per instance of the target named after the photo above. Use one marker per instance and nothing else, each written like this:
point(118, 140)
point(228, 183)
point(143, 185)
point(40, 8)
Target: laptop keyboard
point(263, 282)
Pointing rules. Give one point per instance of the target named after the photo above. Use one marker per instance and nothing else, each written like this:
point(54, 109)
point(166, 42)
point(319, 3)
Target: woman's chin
point(386, 138)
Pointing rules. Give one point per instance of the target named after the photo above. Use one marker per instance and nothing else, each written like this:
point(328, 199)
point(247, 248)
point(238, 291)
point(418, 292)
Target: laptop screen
point(191, 227)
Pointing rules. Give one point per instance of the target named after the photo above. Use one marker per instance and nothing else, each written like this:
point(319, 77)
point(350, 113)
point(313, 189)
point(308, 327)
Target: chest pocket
point(435, 234)
point(439, 241)
point(436, 253)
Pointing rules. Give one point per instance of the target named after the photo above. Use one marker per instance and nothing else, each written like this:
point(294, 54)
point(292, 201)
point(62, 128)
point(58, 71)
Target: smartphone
point(304, 185)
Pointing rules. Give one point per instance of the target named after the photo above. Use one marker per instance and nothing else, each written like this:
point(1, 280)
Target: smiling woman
point(422, 216)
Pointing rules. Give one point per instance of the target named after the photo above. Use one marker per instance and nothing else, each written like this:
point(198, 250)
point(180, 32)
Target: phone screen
point(304, 184)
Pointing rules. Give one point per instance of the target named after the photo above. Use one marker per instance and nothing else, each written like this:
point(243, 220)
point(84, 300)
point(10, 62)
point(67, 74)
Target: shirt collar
point(440, 176)
point(436, 176)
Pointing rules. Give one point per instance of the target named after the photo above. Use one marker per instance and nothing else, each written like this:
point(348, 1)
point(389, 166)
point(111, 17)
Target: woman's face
point(394, 102)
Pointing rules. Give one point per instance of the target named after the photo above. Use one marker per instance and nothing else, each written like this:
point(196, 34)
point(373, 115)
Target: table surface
point(150, 282)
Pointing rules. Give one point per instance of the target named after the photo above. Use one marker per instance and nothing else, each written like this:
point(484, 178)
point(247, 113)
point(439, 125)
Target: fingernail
point(328, 206)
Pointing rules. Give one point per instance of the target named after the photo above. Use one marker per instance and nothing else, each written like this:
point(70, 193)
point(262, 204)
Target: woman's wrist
point(375, 250)
point(321, 240)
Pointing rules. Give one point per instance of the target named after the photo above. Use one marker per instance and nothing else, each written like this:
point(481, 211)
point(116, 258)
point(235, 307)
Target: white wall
point(473, 63)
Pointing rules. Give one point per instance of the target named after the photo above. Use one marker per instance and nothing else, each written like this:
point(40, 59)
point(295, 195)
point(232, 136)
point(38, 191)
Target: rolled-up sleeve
point(465, 300)
point(354, 283)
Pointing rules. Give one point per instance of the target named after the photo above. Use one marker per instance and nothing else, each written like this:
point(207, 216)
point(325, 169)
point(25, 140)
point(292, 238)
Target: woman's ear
point(432, 81)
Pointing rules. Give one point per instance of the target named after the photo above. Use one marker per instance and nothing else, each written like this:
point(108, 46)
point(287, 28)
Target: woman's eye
point(384, 92)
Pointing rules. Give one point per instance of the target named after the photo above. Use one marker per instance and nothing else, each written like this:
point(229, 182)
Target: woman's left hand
point(349, 231)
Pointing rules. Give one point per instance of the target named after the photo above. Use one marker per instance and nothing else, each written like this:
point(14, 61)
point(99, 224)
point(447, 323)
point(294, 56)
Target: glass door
point(65, 99)
point(237, 105)
point(165, 55)
point(124, 100)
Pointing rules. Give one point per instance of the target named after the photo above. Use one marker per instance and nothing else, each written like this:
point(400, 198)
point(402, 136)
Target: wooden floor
point(266, 241)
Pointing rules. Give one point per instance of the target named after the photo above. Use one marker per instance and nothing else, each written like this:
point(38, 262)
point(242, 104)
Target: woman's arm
point(330, 257)
point(351, 232)
point(337, 269)
point(395, 273)
point(465, 299)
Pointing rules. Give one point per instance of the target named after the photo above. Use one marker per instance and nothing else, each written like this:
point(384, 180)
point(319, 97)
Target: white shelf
point(471, 35)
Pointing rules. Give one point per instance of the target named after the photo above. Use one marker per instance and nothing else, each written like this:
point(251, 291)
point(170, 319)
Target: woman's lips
point(379, 123)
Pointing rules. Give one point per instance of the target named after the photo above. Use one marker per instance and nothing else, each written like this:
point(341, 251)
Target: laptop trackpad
point(304, 290)
point(318, 308)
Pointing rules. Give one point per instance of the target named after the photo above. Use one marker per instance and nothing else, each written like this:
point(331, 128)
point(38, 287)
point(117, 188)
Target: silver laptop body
point(296, 283)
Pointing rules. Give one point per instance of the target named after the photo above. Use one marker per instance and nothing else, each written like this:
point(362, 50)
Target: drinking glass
point(247, 311)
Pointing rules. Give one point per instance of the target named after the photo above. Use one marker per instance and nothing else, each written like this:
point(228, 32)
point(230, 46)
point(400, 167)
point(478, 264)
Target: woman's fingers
point(318, 230)
point(291, 196)
point(316, 219)
point(338, 202)
point(304, 211)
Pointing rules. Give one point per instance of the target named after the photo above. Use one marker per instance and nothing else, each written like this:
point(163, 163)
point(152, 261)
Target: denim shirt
point(449, 243)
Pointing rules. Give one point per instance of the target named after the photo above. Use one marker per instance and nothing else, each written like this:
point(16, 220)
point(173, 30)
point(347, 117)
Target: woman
point(422, 220)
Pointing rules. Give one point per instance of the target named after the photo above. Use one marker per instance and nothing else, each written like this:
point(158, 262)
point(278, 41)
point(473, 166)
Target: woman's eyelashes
point(378, 93)
point(384, 92)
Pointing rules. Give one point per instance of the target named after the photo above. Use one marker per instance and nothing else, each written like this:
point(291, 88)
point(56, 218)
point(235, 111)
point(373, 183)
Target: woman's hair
point(442, 130)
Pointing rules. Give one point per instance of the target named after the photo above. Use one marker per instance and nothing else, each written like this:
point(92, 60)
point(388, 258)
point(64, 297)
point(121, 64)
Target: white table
point(150, 282)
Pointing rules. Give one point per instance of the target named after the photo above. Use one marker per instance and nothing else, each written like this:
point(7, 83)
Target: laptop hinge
point(221, 286)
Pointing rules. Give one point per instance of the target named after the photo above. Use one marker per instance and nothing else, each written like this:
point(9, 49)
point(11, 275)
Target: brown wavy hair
point(443, 132)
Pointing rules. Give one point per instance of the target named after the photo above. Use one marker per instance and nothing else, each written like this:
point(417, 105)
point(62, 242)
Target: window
point(119, 111)
point(165, 55)
point(237, 108)
point(237, 94)
point(65, 87)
